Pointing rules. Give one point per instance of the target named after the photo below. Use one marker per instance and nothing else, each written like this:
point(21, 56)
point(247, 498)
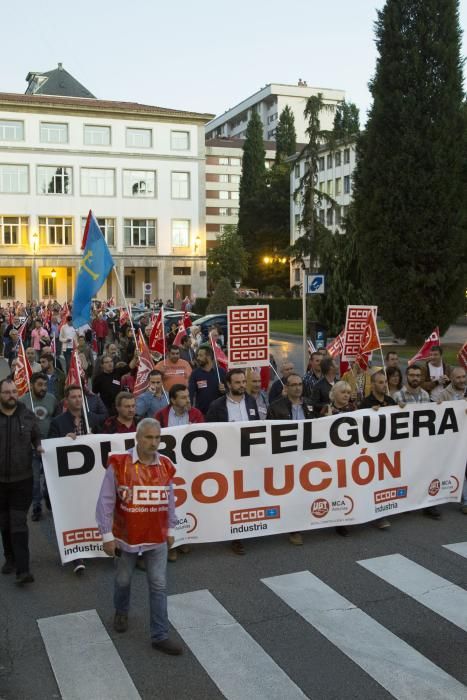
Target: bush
point(223, 297)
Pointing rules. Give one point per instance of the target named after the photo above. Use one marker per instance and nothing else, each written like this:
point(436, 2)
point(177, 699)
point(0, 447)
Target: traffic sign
point(315, 284)
point(147, 287)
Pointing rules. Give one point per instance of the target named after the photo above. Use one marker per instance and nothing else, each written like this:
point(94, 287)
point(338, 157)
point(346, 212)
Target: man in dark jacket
point(320, 391)
point(19, 435)
point(235, 406)
point(293, 406)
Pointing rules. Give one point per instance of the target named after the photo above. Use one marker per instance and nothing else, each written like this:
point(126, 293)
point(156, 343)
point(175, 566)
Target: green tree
point(346, 121)
point(229, 258)
point(223, 297)
point(252, 182)
point(410, 178)
point(286, 137)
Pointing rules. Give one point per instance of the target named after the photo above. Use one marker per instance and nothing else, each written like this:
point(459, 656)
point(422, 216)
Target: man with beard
point(55, 377)
point(44, 406)
point(205, 385)
point(235, 406)
point(124, 421)
point(19, 435)
point(153, 399)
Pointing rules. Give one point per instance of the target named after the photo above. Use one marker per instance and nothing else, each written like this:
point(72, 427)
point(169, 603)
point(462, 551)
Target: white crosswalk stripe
point(84, 659)
point(234, 660)
point(400, 669)
point(458, 548)
point(429, 589)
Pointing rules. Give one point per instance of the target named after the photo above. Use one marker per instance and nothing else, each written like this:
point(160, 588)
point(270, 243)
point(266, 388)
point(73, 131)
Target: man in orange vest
point(136, 514)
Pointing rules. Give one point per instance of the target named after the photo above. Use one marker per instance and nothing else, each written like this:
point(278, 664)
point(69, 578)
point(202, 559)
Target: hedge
point(279, 308)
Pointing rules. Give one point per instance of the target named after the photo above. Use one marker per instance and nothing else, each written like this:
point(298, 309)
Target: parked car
point(205, 323)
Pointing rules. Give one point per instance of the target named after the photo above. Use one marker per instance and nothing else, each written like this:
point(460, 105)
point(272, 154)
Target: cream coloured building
point(140, 168)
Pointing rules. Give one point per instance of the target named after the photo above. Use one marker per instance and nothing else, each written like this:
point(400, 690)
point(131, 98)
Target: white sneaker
point(78, 567)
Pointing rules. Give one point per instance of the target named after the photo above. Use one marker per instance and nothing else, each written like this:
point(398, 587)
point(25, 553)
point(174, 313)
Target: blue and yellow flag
point(95, 267)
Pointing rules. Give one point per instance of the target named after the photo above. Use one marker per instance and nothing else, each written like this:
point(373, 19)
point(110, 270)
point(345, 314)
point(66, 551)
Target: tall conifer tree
point(286, 137)
point(252, 182)
point(410, 181)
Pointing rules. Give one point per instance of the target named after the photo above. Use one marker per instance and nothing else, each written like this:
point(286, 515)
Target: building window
point(297, 220)
point(54, 180)
point(97, 181)
point(224, 211)
point(14, 179)
point(234, 195)
point(329, 217)
point(140, 232)
point(48, 287)
point(322, 186)
point(8, 288)
point(51, 132)
point(180, 185)
point(223, 194)
point(236, 161)
point(346, 155)
point(107, 226)
point(346, 184)
point(182, 271)
point(329, 164)
point(223, 161)
point(129, 283)
point(56, 230)
point(329, 187)
point(338, 185)
point(337, 158)
point(321, 216)
point(180, 140)
point(235, 179)
point(338, 216)
point(139, 138)
point(297, 170)
point(139, 183)
point(297, 274)
point(223, 178)
point(180, 233)
point(11, 130)
point(96, 135)
point(13, 230)
point(321, 163)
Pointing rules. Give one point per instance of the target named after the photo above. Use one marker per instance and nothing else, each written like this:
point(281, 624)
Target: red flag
point(124, 317)
point(73, 376)
point(11, 318)
point(145, 365)
point(63, 314)
point(94, 346)
point(335, 348)
point(311, 347)
point(370, 341)
point(180, 334)
point(23, 371)
point(264, 372)
point(156, 339)
point(219, 355)
point(22, 330)
point(53, 347)
point(462, 356)
point(187, 322)
point(424, 351)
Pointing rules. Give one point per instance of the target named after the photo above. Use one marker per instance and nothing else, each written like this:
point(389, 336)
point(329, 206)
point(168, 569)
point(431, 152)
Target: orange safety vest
point(141, 508)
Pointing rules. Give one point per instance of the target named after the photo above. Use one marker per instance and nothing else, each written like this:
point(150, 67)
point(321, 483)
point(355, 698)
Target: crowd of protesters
point(187, 385)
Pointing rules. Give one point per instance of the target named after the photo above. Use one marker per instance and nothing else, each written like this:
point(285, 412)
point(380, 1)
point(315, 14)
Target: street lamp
point(53, 273)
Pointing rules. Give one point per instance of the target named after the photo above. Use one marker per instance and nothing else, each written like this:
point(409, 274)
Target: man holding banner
point(130, 526)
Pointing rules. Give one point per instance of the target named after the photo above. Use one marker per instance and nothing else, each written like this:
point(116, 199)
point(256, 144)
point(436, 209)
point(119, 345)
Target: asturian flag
point(96, 264)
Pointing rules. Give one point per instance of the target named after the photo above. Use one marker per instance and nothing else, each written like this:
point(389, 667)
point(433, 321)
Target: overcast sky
point(203, 56)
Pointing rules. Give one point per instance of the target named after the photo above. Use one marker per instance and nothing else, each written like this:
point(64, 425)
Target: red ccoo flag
point(145, 365)
point(219, 355)
point(23, 371)
point(187, 322)
point(370, 341)
point(335, 348)
point(156, 339)
point(181, 333)
point(75, 371)
point(424, 352)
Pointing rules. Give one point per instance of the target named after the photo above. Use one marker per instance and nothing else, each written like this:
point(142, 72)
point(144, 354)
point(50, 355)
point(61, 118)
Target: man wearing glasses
point(19, 434)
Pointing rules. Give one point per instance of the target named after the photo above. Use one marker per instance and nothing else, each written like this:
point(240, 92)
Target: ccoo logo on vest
point(141, 495)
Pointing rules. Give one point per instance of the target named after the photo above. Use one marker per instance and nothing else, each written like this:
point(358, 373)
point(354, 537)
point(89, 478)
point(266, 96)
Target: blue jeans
point(156, 567)
point(37, 472)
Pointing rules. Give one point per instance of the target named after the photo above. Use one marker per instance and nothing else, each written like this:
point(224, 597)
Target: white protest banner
point(237, 480)
point(355, 325)
point(248, 336)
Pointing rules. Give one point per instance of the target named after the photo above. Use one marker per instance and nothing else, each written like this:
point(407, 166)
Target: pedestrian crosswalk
point(243, 667)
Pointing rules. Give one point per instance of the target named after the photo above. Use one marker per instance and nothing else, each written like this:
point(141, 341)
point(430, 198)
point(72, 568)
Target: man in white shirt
point(68, 337)
point(435, 377)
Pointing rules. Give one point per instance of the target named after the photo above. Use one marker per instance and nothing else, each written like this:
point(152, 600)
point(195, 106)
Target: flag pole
point(27, 376)
point(128, 308)
point(78, 367)
point(215, 358)
point(275, 372)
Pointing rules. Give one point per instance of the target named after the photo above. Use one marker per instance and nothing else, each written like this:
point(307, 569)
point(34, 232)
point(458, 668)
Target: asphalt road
point(311, 661)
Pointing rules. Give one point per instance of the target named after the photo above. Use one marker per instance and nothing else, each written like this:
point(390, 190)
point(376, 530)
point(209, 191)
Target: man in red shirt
point(101, 329)
point(124, 421)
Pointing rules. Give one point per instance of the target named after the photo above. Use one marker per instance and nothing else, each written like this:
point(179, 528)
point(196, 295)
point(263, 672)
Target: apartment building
point(223, 172)
point(140, 168)
point(335, 170)
point(269, 103)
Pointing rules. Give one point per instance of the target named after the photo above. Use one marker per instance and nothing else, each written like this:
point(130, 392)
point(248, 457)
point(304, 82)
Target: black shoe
point(168, 647)
point(79, 567)
point(432, 512)
point(26, 577)
point(8, 567)
point(120, 622)
point(342, 530)
point(238, 547)
point(36, 515)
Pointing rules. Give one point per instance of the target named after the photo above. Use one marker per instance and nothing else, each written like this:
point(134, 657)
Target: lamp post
point(34, 275)
point(305, 351)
